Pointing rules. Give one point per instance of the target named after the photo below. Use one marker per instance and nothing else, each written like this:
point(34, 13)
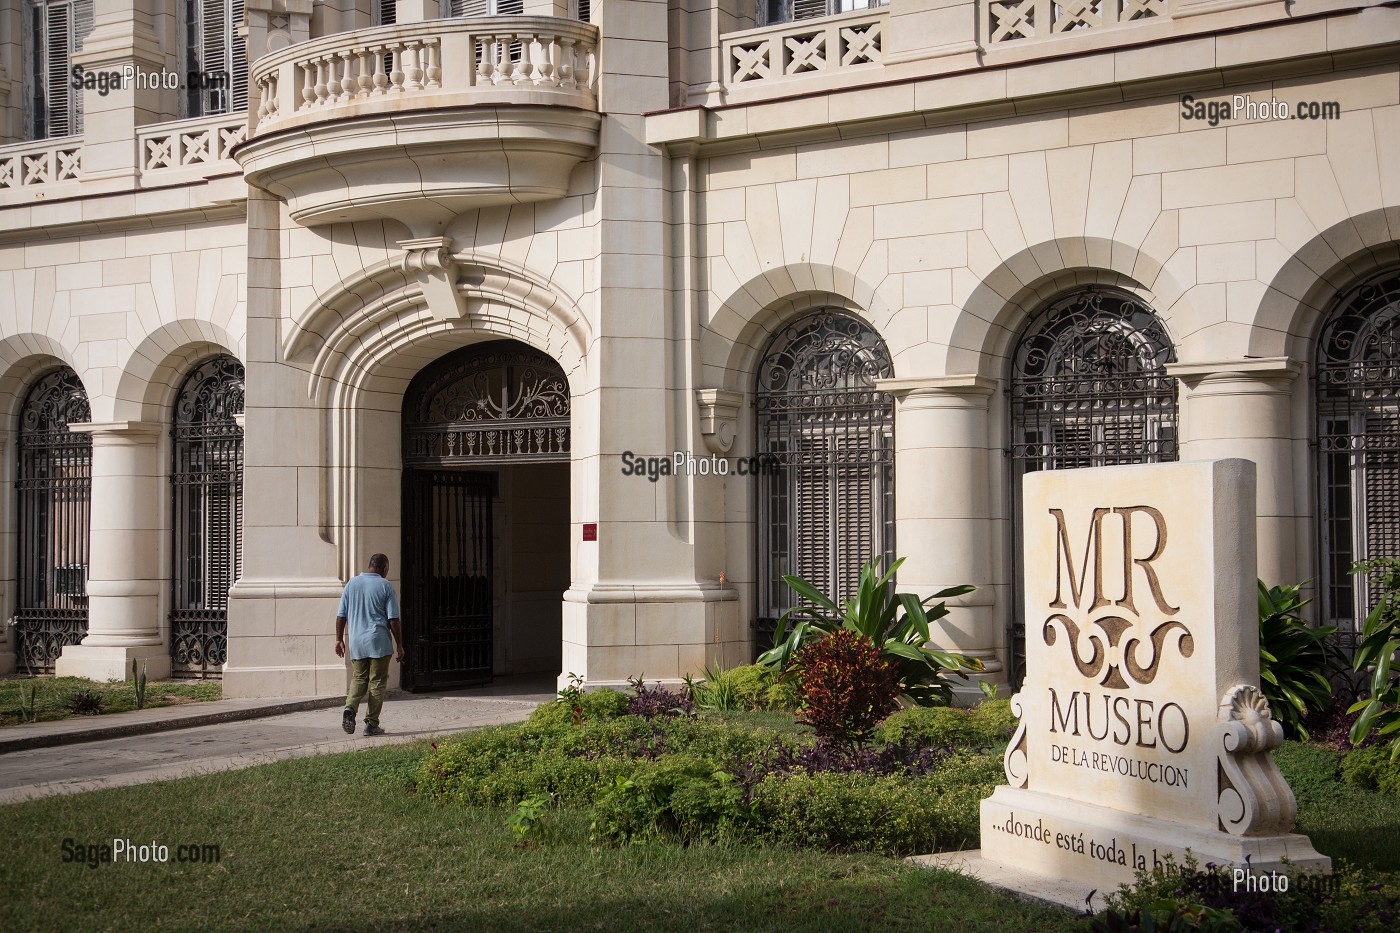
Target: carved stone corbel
point(719, 417)
point(429, 260)
point(1253, 797)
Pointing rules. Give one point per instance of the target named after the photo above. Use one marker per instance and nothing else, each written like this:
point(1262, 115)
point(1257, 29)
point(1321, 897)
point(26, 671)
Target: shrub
point(1349, 899)
point(847, 687)
point(1380, 640)
point(1372, 769)
point(1294, 658)
point(747, 687)
point(86, 701)
point(657, 700)
point(682, 796)
point(897, 623)
point(986, 725)
point(593, 706)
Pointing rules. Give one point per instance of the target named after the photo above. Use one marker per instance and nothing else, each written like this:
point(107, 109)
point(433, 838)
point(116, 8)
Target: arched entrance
point(485, 515)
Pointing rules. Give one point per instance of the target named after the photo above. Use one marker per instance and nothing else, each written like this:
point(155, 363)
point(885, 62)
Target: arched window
point(54, 499)
point(827, 506)
point(1357, 388)
point(1089, 387)
point(206, 480)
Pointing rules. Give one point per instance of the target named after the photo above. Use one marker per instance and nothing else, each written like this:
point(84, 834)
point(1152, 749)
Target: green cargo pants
point(370, 674)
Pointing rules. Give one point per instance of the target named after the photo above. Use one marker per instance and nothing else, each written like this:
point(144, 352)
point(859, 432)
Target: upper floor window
point(772, 12)
point(56, 30)
point(457, 8)
point(216, 60)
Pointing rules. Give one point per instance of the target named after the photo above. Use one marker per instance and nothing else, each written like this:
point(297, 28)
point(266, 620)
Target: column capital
point(968, 384)
point(1261, 368)
point(132, 431)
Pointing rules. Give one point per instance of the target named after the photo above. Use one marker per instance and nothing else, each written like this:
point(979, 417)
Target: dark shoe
point(347, 721)
point(373, 730)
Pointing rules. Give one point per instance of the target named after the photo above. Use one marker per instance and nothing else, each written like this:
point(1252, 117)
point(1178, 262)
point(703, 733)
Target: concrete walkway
point(88, 763)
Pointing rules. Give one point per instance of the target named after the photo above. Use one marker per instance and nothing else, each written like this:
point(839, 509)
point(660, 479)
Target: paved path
point(138, 759)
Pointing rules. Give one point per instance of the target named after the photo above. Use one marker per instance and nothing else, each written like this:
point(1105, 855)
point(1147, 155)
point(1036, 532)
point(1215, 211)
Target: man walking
point(370, 607)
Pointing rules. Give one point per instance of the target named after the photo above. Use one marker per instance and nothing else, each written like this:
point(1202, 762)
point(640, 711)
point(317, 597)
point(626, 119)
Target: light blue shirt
point(368, 603)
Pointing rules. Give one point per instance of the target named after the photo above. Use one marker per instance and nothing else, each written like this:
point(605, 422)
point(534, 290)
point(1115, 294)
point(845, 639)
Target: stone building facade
point(598, 321)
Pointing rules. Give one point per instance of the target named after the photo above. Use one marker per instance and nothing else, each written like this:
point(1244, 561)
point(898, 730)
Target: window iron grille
point(54, 498)
point(828, 508)
point(1088, 387)
point(206, 480)
point(1356, 382)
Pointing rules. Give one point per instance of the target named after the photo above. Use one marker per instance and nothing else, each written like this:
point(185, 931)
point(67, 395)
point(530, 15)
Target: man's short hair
point(378, 563)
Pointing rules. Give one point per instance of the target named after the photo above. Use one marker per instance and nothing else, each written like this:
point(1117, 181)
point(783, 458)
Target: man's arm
point(398, 639)
point(340, 636)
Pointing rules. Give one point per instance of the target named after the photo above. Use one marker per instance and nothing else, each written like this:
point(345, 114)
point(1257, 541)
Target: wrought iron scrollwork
point(829, 506)
point(1356, 381)
point(206, 480)
point(496, 401)
point(1089, 387)
point(54, 493)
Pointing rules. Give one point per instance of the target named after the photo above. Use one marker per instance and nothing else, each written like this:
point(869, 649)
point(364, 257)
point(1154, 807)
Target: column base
point(1102, 848)
point(112, 663)
point(9, 663)
point(319, 680)
point(661, 634)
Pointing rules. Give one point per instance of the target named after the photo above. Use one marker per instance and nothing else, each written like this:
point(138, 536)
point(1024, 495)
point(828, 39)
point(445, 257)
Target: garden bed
point(66, 697)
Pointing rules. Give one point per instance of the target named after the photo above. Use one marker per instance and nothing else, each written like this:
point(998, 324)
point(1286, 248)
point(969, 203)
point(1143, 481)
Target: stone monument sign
point(1142, 729)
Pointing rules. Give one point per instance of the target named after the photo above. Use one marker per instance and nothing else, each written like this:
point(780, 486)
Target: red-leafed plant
point(847, 687)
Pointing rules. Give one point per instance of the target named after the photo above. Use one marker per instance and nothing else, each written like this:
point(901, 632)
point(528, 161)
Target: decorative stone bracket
point(429, 260)
point(719, 417)
point(1253, 797)
point(273, 25)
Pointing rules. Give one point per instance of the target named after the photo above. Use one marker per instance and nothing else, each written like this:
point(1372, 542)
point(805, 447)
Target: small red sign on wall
point(590, 531)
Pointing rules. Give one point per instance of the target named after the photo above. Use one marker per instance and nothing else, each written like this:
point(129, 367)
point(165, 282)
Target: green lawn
point(337, 843)
point(55, 695)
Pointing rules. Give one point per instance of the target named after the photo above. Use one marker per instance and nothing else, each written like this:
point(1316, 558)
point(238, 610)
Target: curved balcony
point(421, 121)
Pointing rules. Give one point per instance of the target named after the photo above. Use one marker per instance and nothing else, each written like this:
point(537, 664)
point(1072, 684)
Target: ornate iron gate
point(54, 489)
point(829, 507)
point(1088, 387)
point(206, 479)
point(447, 559)
point(497, 402)
point(1357, 387)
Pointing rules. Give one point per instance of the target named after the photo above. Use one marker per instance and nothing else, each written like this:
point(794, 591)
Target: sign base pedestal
point(1049, 835)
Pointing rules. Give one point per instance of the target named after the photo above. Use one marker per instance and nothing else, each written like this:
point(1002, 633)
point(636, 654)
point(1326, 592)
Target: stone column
point(1243, 408)
point(123, 570)
point(943, 519)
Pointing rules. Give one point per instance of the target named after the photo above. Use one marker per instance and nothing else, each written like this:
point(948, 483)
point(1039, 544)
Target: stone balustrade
point(491, 59)
point(41, 162)
point(1005, 21)
point(836, 43)
point(205, 141)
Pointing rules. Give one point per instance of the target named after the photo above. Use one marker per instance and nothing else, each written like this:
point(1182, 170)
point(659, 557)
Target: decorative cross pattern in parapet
point(805, 48)
point(177, 145)
point(41, 163)
point(439, 57)
point(1009, 20)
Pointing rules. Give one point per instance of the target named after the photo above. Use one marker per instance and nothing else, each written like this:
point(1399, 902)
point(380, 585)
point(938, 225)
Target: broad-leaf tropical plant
point(898, 624)
point(1380, 640)
point(1294, 658)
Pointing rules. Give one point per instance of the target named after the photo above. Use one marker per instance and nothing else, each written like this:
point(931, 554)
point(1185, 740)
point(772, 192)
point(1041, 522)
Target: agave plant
point(1294, 658)
point(898, 624)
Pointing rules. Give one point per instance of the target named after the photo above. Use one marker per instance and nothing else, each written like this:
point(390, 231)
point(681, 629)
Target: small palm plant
point(1294, 658)
point(897, 623)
